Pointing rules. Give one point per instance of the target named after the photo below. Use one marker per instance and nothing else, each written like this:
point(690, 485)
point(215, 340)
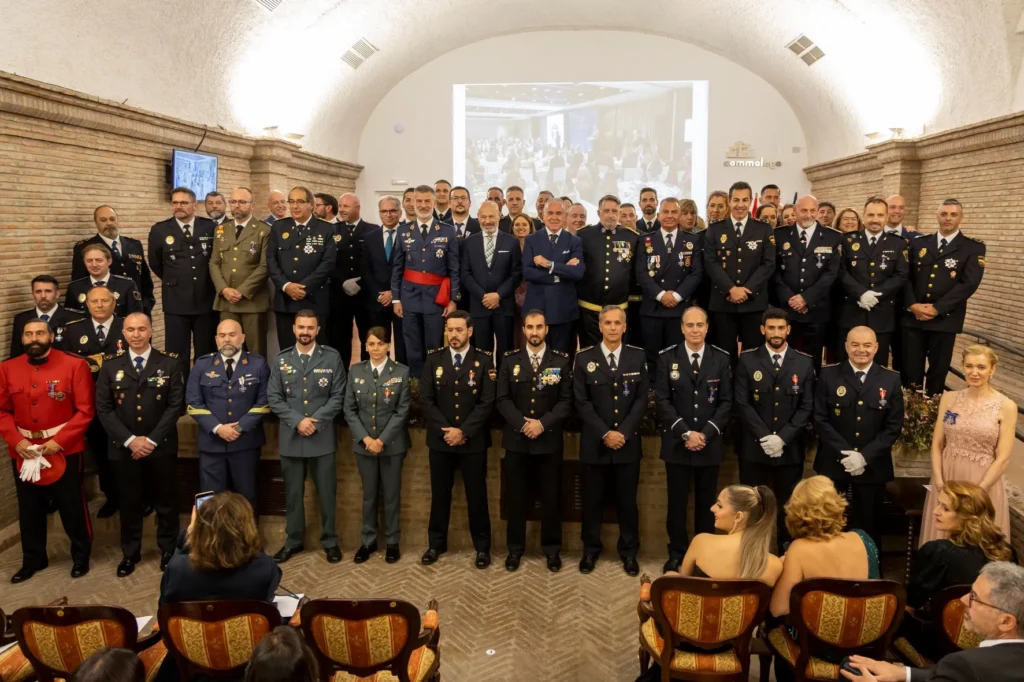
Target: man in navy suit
point(552, 264)
point(379, 248)
point(424, 279)
point(464, 223)
point(492, 268)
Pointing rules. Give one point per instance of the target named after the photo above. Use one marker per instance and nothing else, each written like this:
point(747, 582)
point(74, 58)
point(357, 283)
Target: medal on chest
point(882, 402)
point(387, 395)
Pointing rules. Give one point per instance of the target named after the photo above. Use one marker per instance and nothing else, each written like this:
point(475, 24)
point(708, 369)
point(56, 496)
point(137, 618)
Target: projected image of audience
point(583, 140)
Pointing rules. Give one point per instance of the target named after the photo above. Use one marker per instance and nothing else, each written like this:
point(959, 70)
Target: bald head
point(137, 331)
point(806, 210)
point(897, 209)
point(861, 346)
point(348, 208)
point(240, 204)
point(277, 202)
point(230, 338)
point(488, 214)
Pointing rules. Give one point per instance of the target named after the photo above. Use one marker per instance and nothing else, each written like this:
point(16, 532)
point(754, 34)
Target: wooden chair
point(57, 639)
point(836, 618)
point(713, 620)
point(215, 639)
point(373, 640)
point(946, 630)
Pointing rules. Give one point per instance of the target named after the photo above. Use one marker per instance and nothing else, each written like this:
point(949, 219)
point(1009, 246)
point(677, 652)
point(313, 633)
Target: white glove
point(773, 445)
point(351, 286)
point(857, 472)
point(869, 299)
point(31, 468)
point(853, 461)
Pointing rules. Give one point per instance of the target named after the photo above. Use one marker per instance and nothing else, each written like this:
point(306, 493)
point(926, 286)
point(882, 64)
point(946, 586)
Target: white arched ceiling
point(921, 65)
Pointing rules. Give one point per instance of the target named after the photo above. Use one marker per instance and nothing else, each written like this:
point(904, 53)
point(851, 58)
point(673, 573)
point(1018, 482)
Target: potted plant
point(912, 454)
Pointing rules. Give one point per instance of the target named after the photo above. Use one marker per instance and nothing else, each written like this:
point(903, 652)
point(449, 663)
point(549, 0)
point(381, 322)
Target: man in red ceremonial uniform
point(46, 400)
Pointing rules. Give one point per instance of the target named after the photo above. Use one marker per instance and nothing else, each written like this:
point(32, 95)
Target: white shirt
point(699, 352)
point(145, 358)
point(308, 355)
point(865, 370)
point(555, 235)
point(605, 352)
point(110, 243)
point(675, 245)
point(234, 360)
point(781, 353)
point(394, 235)
point(539, 354)
point(191, 224)
point(949, 240)
point(869, 235)
point(105, 280)
point(649, 225)
point(809, 231)
point(420, 226)
point(105, 324)
point(40, 313)
point(461, 353)
point(460, 225)
point(898, 229)
point(379, 368)
point(334, 220)
point(743, 223)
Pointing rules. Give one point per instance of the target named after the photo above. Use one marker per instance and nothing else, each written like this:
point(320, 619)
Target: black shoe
point(512, 562)
point(286, 553)
point(671, 565)
point(630, 566)
point(392, 554)
point(78, 570)
point(108, 509)
point(126, 567)
point(587, 563)
point(431, 556)
point(483, 559)
point(364, 552)
point(147, 511)
point(554, 563)
point(333, 554)
point(51, 506)
point(23, 574)
point(166, 559)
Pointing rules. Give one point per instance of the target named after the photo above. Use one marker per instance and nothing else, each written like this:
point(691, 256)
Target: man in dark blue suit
point(465, 225)
point(552, 264)
point(424, 279)
point(492, 268)
point(379, 248)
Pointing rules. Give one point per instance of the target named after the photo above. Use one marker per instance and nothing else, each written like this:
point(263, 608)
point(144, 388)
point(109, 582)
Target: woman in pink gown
point(973, 438)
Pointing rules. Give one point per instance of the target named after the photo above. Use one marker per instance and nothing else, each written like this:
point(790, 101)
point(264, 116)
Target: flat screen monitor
point(196, 171)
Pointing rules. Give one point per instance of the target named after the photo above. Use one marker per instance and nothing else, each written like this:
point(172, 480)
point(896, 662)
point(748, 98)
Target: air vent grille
point(270, 5)
point(800, 44)
point(805, 48)
point(362, 50)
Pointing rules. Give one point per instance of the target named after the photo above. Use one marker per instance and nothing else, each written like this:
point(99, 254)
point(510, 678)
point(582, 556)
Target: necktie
point(461, 227)
point(871, 242)
point(187, 229)
point(554, 239)
point(138, 364)
point(489, 250)
point(238, 229)
point(44, 317)
point(803, 239)
point(389, 243)
point(775, 361)
point(535, 361)
point(303, 358)
point(668, 244)
point(650, 226)
point(458, 362)
point(114, 251)
point(424, 230)
point(611, 363)
point(695, 363)
point(376, 375)
point(860, 376)
point(229, 367)
point(739, 230)
point(101, 283)
point(101, 334)
point(943, 244)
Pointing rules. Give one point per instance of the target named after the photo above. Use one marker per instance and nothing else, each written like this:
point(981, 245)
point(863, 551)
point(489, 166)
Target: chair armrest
point(60, 601)
point(149, 640)
point(431, 632)
point(296, 620)
point(645, 609)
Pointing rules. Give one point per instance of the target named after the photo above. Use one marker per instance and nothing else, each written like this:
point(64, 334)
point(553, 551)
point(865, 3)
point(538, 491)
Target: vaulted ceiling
point(920, 65)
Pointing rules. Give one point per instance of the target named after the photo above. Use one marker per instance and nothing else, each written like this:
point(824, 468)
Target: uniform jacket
point(183, 265)
point(810, 272)
point(42, 397)
point(148, 404)
point(306, 257)
point(127, 298)
point(438, 255)
point(241, 264)
point(773, 403)
point(375, 266)
point(945, 279)
point(606, 402)
point(553, 293)
point(641, 225)
point(545, 395)
point(211, 400)
point(658, 270)
point(80, 339)
point(882, 269)
point(59, 317)
point(688, 403)
point(316, 390)
point(462, 399)
point(131, 263)
point(378, 409)
point(502, 277)
point(349, 239)
point(445, 217)
point(748, 262)
point(864, 417)
point(608, 277)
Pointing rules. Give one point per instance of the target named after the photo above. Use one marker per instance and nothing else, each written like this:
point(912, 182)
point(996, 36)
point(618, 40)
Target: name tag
point(505, 251)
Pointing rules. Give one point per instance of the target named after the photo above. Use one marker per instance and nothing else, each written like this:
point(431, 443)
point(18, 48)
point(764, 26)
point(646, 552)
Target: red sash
point(444, 293)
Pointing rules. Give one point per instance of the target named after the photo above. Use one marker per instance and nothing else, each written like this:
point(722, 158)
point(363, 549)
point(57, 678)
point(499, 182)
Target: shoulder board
point(171, 355)
point(283, 351)
point(435, 350)
point(216, 353)
point(747, 350)
point(71, 322)
point(583, 350)
point(888, 369)
point(634, 347)
point(829, 227)
point(560, 353)
point(80, 279)
point(111, 356)
point(483, 352)
point(720, 350)
point(113, 276)
point(665, 350)
point(511, 352)
point(631, 229)
point(80, 243)
point(800, 352)
point(973, 239)
point(834, 364)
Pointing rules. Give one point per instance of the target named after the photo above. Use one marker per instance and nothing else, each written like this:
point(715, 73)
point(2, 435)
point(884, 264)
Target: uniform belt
point(587, 305)
point(45, 433)
point(430, 279)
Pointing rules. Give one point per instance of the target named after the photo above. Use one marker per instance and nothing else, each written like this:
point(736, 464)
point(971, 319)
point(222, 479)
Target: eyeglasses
point(293, 202)
point(180, 203)
point(972, 598)
point(238, 202)
point(388, 210)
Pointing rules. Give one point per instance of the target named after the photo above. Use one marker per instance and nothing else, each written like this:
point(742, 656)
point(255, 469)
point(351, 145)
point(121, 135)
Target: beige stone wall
point(63, 153)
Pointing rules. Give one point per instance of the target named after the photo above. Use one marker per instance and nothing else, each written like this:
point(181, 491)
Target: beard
point(776, 341)
point(535, 340)
point(37, 349)
point(228, 350)
point(305, 339)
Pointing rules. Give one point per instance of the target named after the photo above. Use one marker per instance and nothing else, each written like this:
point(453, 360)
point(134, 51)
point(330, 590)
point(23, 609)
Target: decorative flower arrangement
point(920, 412)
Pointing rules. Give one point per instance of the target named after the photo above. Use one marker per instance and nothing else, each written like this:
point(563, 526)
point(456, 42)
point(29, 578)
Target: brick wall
point(63, 153)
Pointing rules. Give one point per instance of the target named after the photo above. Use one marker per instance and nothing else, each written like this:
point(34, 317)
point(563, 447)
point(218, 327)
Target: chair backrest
point(215, 638)
point(953, 634)
point(840, 617)
point(362, 636)
point(57, 639)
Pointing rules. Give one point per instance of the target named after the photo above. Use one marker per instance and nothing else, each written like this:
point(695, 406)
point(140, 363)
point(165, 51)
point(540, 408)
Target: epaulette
point(720, 350)
point(112, 275)
point(111, 356)
point(829, 227)
point(887, 369)
point(173, 356)
point(834, 364)
point(279, 353)
point(665, 350)
point(560, 353)
point(800, 352)
point(631, 229)
point(485, 352)
point(71, 322)
point(511, 352)
point(583, 350)
point(635, 347)
point(435, 350)
point(749, 350)
point(79, 243)
point(973, 239)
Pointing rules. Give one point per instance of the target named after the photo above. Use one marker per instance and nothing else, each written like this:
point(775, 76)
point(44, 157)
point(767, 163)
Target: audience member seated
point(747, 517)
point(820, 548)
point(220, 556)
point(282, 656)
point(111, 665)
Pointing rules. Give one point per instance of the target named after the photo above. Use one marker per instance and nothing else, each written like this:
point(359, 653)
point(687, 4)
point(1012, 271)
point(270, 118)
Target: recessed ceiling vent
point(362, 50)
point(805, 48)
point(270, 5)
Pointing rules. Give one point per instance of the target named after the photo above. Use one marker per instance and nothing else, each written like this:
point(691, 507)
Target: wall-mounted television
point(198, 172)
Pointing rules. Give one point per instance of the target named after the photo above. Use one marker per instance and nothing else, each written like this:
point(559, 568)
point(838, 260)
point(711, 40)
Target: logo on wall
point(741, 155)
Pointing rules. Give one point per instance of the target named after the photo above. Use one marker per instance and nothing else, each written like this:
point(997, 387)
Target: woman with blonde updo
point(973, 439)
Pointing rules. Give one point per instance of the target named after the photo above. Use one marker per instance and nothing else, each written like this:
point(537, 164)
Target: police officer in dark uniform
point(129, 258)
point(179, 253)
point(858, 415)
point(669, 268)
point(347, 295)
point(457, 392)
point(873, 273)
point(808, 256)
point(140, 394)
point(693, 387)
point(97, 259)
point(739, 257)
point(610, 390)
point(608, 252)
point(774, 396)
point(301, 256)
point(534, 398)
point(945, 270)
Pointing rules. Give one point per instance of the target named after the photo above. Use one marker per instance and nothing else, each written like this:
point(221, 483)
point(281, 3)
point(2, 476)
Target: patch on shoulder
point(171, 355)
point(665, 350)
point(834, 364)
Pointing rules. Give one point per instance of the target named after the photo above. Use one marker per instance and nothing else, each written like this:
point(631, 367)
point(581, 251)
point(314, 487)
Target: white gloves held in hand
point(772, 445)
point(31, 469)
point(351, 286)
point(854, 462)
point(869, 299)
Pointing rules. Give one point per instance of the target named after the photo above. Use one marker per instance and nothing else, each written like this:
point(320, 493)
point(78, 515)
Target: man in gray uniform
point(307, 388)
